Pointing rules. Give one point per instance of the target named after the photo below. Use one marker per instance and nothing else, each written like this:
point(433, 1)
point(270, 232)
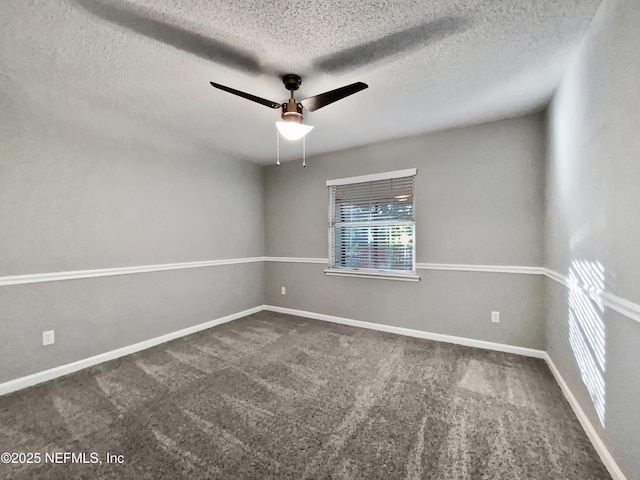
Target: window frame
point(409, 275)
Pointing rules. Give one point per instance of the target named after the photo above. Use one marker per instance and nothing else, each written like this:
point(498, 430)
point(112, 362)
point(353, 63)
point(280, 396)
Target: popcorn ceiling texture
point(145, 65)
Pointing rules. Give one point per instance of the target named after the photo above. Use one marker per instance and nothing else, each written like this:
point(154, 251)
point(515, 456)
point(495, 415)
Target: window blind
point(371, 224)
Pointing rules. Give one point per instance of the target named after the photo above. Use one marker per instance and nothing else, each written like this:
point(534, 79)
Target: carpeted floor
point(273, 396)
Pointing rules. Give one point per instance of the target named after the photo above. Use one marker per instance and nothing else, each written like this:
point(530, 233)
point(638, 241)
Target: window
point(372, 225)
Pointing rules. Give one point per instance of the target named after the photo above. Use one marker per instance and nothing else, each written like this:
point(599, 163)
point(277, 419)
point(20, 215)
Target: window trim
point(409, 172)
point(409, 276)
point(378, 274)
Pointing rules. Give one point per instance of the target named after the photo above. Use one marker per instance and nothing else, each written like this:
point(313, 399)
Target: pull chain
point(304, 150)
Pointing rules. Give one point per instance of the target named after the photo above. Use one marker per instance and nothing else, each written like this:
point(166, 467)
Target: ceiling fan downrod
point(292, 110)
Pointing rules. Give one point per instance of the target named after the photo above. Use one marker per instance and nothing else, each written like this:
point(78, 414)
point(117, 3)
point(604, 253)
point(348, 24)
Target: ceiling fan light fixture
point(293, 130)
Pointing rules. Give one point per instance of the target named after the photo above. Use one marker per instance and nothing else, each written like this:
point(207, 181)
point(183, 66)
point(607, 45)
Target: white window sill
point(376, 274)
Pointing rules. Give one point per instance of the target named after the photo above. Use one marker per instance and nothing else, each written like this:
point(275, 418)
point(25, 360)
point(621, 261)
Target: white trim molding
point(324, 261)
point(457, 267)
point(409, 172)
point(469, 342)
point(378, 275)
point(622, 306)
point(62, 370)
point(599, 445)
point(555, 276)
point(109, 272)
point(597, 442)
point(451, 267)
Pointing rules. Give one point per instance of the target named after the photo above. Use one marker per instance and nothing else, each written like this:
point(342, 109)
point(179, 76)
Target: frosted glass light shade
point(293, 130)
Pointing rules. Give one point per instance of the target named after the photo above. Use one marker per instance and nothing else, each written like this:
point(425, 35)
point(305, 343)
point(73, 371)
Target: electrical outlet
point(283, 290)
point(495, 317)
point(48, 337)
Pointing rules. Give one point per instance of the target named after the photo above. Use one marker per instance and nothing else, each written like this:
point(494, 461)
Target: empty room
point(320, 239)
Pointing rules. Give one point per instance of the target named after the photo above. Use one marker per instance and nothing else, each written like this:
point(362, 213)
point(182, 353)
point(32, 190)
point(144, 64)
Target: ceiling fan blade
point(142, 22)
point(326, 98)
point(248, 96)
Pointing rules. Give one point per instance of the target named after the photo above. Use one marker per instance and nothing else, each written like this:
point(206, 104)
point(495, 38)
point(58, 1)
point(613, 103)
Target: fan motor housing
point(292, 111)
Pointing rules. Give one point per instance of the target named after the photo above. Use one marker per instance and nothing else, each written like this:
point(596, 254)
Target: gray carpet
point(273, 396)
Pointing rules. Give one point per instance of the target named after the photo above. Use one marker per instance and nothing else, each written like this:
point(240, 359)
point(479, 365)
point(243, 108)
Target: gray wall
point(479, 200)
point(592, 202)
point(74, 198)
point(102, 191)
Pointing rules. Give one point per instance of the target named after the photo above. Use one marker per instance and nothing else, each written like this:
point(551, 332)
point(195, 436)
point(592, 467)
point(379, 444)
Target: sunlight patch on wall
point(586, 328)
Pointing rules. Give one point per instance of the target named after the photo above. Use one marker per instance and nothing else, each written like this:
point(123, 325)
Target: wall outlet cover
point(48, 337)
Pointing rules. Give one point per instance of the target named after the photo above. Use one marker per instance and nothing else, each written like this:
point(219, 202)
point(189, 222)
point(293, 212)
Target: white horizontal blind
point(372, 225)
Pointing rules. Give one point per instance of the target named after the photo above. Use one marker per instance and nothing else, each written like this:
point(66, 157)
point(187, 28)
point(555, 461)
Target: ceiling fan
point(292, 127)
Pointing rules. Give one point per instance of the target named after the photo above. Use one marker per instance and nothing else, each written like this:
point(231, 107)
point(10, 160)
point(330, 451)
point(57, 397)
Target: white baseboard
point(469, 342)
point(606, 457)
point(596, 441)
point(62, 370)
point(50, 374)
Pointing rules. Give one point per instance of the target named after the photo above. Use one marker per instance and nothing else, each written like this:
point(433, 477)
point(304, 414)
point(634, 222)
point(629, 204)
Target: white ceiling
point(429, 65)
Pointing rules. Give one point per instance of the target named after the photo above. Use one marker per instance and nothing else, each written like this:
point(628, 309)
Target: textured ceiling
point(124, 68)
